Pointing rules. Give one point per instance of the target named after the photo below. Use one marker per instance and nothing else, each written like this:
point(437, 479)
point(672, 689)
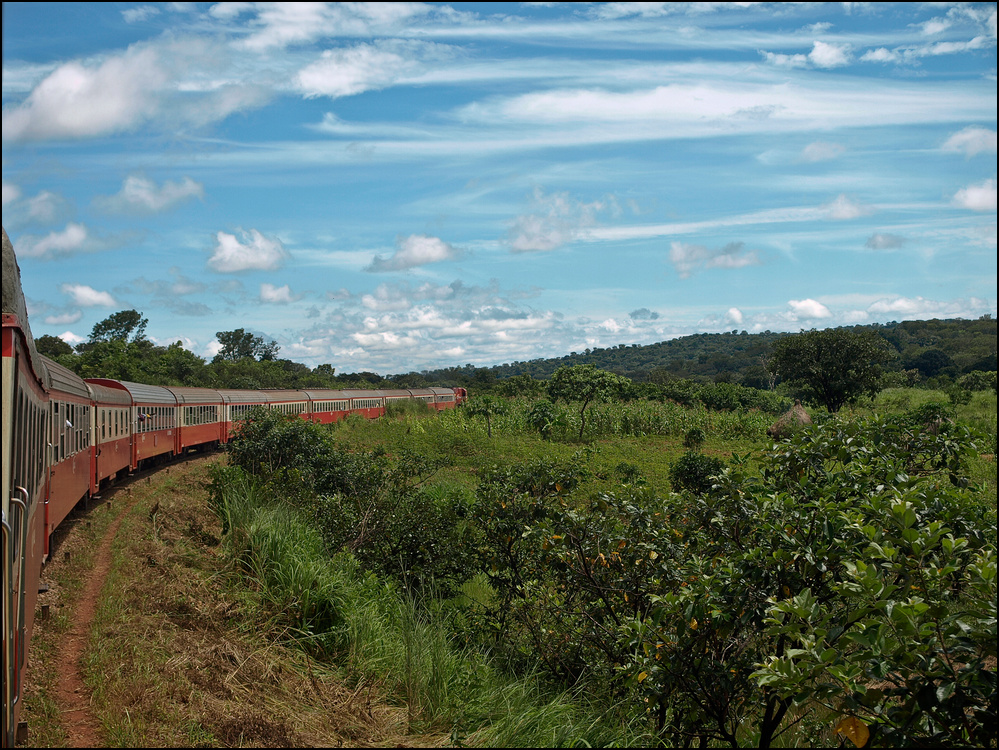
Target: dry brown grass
point(180, 654)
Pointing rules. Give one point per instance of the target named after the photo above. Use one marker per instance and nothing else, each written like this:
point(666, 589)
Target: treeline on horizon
point(928, 353)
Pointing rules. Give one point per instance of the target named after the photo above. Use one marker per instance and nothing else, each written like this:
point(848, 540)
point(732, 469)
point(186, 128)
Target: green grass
point(376, 630)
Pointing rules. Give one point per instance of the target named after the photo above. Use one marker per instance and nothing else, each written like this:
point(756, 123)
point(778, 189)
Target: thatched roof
point(791, 421)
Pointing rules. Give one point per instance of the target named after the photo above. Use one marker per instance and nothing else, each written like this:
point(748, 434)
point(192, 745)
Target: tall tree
point(833, 367)
point(241, 344)
point(583, 384)
point(127, 325)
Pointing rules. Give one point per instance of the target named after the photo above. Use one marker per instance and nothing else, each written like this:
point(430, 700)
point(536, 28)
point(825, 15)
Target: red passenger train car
point(64, 438)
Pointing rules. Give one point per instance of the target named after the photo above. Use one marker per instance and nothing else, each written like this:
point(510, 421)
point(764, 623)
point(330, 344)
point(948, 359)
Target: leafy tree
point(486, 406)
point(583, 384)
point(241, 344)
point(127, 325)
point(52, 346)
point(833, 367)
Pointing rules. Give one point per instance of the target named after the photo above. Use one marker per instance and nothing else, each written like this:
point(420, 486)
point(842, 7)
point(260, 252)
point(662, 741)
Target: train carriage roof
point(187, 395)
point(105, 396)
point(233, 396)
point(13, 304)
point(326, 395)
point(64, 380)
point(396, 393)
point(279, 395)
point(141, 393)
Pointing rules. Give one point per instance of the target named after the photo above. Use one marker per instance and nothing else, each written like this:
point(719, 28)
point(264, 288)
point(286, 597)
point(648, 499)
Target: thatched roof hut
point(791, 421)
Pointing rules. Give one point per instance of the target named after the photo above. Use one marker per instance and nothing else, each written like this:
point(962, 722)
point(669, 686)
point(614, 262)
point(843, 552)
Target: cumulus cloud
point(73, 239)
point(880, 55)
point(971, 141)
point(64, 319)
point(843, 208)
point(251, 251)
point(86, 296)
point(977, 197)
point(821, 151)
point(825, 55)
point(11, 192)
point(71, 338)
point(884, 241)
point(177, 82)
point(140, 195)
point(808, 309)
point(555, 220)
point(734, 316)
point(276, 294)
point(688, 258)
point(415, 250)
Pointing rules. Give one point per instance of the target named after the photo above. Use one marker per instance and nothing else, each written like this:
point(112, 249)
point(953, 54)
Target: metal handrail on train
point(14, 554)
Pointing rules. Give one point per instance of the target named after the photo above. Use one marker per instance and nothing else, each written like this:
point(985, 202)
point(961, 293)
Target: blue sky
point(406, 186)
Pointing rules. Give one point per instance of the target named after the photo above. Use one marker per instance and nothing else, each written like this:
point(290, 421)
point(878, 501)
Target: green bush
point(694, 472)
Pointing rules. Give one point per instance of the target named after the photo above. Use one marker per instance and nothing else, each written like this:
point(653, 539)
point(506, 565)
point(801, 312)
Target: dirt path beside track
point(178, 654)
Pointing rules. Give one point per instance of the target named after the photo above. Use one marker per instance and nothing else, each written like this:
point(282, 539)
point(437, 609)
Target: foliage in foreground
point(821, 593)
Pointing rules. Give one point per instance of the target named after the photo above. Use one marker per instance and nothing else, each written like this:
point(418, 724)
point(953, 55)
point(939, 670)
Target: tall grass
point(375, 628)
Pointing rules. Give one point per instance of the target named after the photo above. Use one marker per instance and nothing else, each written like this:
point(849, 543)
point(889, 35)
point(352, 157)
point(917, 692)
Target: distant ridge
point(933, 347)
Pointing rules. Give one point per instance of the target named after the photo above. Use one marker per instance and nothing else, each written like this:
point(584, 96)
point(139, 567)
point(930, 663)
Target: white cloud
point(140, 13)
point(415, 250)
point(86, 296)
point(252, 251)
point(348, 71)
point(971, 141)
point(785, 61)
point(825, 55)
point(64, 319)
point(884, 241)
point(11, 192)
point(808, 309)
point(71, 338)
point(286, 24)
point(556, 220)
point(171, 83)
point(935, 26)
point(141, 195)
point(76, 101)
point(977, 197)
point(72, 239)
point(688, 258)
point(821, 151)
point(276, 294)
point(734, 316)
point(843, 208)
point(881, 55)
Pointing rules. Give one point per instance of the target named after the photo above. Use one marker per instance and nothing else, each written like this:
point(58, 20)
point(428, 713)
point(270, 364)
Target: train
point(66, 438)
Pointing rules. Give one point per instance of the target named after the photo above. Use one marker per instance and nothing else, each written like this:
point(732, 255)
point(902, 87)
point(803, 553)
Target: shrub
point(694, 472)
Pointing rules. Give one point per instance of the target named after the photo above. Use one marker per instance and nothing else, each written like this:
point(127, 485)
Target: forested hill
point(931, 347)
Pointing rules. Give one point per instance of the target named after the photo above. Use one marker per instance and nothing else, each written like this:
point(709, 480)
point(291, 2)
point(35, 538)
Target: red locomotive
point(64, 438)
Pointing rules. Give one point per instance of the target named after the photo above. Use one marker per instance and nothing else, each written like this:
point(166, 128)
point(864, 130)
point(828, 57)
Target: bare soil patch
point(153, 642)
